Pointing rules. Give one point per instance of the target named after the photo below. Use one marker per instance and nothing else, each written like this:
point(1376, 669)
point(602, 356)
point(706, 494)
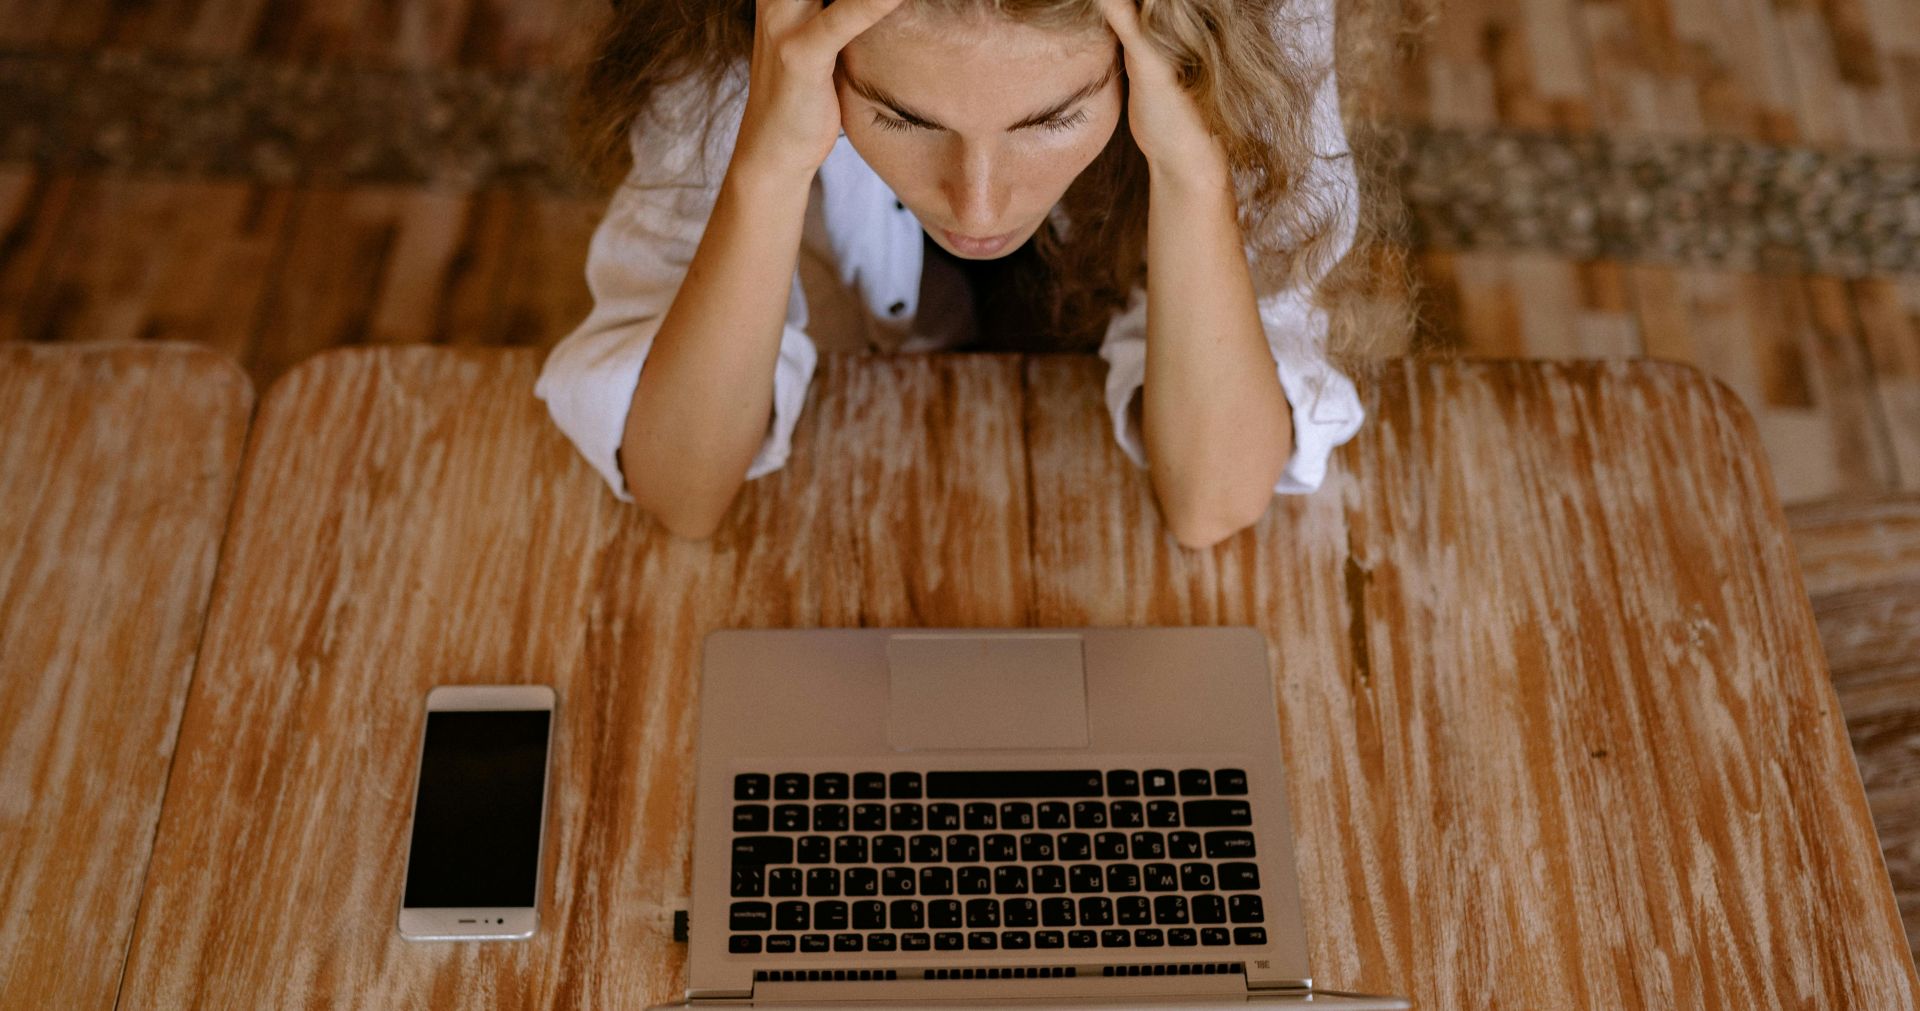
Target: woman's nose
point(978, 194)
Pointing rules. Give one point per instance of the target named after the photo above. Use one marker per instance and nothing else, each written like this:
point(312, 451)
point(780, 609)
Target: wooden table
point(117, 465)
point(1555, 715)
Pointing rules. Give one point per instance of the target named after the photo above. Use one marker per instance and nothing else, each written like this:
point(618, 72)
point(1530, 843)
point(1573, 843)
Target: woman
point(806, 175)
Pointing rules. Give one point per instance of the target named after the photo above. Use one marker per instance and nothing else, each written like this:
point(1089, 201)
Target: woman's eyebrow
point(873, 94)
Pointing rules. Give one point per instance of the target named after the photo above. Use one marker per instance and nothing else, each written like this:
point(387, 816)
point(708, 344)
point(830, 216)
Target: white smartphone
point(479, 814)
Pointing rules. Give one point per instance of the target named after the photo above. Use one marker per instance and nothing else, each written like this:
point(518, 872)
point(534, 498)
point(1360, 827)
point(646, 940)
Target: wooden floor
point(1829, 364)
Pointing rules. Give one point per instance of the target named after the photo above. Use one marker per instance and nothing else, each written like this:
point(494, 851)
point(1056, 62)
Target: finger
point(846, 19)
point(1123, 16)
point(785, 13)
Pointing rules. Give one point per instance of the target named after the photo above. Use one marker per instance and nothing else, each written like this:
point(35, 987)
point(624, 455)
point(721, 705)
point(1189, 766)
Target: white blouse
point(860, 287)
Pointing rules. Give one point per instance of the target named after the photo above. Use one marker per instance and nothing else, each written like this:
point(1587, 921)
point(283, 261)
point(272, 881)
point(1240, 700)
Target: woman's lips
point(976, 247)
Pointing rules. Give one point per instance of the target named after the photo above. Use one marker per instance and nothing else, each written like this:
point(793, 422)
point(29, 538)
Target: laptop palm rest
point(964, 692)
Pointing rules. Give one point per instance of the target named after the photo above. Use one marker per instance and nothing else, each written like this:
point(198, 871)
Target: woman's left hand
point(1163, 117)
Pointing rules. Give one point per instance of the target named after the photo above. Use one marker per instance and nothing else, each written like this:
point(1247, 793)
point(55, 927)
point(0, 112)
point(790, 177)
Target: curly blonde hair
point(1239, 59)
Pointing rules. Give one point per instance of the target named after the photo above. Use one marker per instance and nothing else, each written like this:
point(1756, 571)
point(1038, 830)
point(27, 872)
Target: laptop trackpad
point(986, 691)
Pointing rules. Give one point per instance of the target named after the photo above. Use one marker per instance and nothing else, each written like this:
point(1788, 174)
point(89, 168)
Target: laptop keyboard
point(993, 861)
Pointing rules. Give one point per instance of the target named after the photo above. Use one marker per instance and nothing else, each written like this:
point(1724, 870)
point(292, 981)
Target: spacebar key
point(1036, 783)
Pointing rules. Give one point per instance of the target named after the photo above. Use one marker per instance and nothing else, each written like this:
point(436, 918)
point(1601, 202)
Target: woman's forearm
point(705, 396)
point(1214, 418)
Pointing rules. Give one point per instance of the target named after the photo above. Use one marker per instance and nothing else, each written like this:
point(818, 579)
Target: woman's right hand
point(792, 116)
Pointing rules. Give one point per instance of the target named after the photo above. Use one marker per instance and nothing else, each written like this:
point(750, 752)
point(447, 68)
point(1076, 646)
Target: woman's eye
point(886, 122)
point(1066, 123)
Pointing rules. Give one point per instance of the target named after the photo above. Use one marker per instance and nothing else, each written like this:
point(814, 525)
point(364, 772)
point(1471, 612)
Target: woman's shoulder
point(688, 128)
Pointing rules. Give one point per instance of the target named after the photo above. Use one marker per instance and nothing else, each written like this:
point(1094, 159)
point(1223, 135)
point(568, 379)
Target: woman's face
point(979, 125)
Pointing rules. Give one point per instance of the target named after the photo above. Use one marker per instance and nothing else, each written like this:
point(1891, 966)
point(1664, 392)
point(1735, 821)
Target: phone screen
point(476, 821)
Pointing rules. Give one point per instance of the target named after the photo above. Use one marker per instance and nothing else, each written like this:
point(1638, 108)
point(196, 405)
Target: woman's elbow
point(1198, 530)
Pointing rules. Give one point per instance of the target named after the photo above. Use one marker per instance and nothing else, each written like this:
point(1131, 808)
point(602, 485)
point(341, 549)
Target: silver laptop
point(994, 817)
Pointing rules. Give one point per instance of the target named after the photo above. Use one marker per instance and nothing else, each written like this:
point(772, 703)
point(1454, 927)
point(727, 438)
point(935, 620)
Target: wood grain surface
point(1555, 711)
point(117, 465)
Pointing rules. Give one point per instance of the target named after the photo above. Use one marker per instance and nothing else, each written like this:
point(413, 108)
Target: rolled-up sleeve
point(635, 264)
point(1325, 407)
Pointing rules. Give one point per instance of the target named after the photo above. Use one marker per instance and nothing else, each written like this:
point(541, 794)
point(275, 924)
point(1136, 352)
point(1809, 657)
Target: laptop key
point(1001, 847)
point(975, 881)
point(850, 849)
point(981, 817)
point(1162, 878)
point(1123, 878)
point(943, 817)
point(1208, 908)
point(1110, 846)
point(920, 941)
point(1196, 877)
point(1249, 935)
point(790, 786)
point(1133, 910)
point(1096, 911)
point(1123, 783)
point(889, 849)
point(760, 850)
point(859, 881)
point(904, 785)
point(1158, 782)
point(830, 915)
point(744, 944)
point(983, 913)
point(1057, 913)
point(1225, 845)
point(792, 916)
point(869, 817)
point(1050, 879)
point(1127, 814)
point(823, 881)
point(1239, 877)
point(1230, 781)
point(790, 818)
point(880, 942)
point(750, 916)
point(982, 940)
point(1116, 937)
point(948, 940)
point(848, 942)
point(1183, 845)
point(752, 786)
point(830, 817)
point(1010, 879)
point(1148, 845)
point(1163, 813)
point(1246, 908)
point(830, 786)
point(1182, 937)
point(748, 882)
point(1217, 813)
point(943, 914)
point(906, 817)
point(780, 944)
point(963, 849)
point(752, 817)
point(1196, 782)
point(814, 849)
point(1074, 846)
point(814, 942)
point(1082, 938)
point(785, 881)
point(869, 915)
point(1049, 939)
point(906, 914)
point(1054, 814)
point(936, 881)
point(1036, 847)
point(1212, 936)
point(1084, 878)
point(1016, 940)
point(1170, 909)
point(1090, 814)
point(1012, 784)
point(924, 849)
point(897, 881)
point(1021, 912)
point(1016, 815)
point(1149, 937)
